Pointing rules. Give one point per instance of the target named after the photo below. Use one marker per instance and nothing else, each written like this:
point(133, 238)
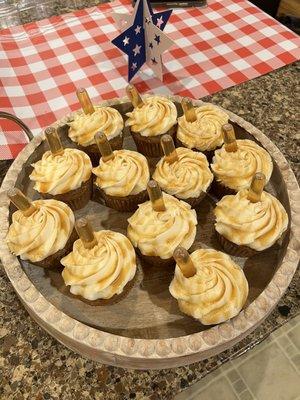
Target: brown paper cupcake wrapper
point(208, 153)
point(106, 302)
point(220, 190)
point(53, 261)
point(150, 146)
point(194, 201)
point(128, 203)
point(155, 260)
point(234, 249)
point(75, 199)
point(93, 152)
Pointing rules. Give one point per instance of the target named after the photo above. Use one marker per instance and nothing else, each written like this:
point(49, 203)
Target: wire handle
point(18, 121)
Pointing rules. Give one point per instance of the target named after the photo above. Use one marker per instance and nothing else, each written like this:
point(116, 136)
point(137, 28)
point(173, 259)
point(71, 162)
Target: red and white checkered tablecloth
point(42, 64)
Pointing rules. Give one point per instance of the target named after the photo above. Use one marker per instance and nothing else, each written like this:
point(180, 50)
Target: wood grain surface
point(146, 309)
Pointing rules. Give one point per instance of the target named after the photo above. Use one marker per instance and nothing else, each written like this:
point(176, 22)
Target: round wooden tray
point(144, 328)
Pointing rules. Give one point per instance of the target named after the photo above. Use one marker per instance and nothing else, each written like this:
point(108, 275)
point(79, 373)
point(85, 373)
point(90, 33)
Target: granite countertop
point(33, 365)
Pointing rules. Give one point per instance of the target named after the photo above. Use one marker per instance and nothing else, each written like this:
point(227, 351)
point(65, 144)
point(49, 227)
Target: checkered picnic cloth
point(42, 63)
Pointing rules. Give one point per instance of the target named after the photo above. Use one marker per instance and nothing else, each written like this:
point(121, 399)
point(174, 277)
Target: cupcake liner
point(220, 190)
point(208, 153)
point(75, 199)
point(194, 201)
point(116, 298)
point(155, 260)
point(128, 203)
point(150, 146)
point(234, 249)
point(93, 152)
point(53, 261)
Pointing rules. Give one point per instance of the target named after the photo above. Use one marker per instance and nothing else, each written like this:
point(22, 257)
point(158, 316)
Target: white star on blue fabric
point(126, 40)
point(138, 30)
point(132, 41)
point(135, 48)
point(159, 22)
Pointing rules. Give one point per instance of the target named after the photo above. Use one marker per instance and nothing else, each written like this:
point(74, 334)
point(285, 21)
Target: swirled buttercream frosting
point(104, 270)
point(43, 233)
point(236, 169)
point(256, 225)
point(205, 133)
point(185, 178)
point(105, 119)
point(158, 233)
point(216, 293)
point(155, 117)
point(61, 173)
point(126, 174)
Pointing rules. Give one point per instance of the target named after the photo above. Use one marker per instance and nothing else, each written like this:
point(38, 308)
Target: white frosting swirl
point(256, 225)
point(43, 233)
point(158, 233)
point(126, 174)
point(185, 178)
point(236, 169)
point(155, 117)
point(206, 132)
point(58, 174)
point(105, 119)
point(216, 293)
point(104, 270)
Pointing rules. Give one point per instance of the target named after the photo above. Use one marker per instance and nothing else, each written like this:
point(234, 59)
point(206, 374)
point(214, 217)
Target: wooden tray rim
point(119, 350)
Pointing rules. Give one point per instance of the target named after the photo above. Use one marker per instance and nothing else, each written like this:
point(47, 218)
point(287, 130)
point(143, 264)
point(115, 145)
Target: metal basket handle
point(18, 121)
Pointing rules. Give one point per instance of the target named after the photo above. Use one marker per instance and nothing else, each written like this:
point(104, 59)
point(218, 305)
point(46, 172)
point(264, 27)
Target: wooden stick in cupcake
point(85, 101)
point(85, 233)
point(230, 142)
point(21, 201)
point(188, 110)
point(169, 149)
point(134, 96)
point(155, 195)
point(184, 262)
point(257, 187)
point(104, 146)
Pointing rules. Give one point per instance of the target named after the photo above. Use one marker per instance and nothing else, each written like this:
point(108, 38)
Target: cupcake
point(208, 285)
point(151, 118)
point(86, 124)
point(183, 173)
point(42, 231)
point(235, 164)
point(250, 221)
point(160, 225)
point(121, 177)
point(63, 174)
point(200, 127)
point(100, 265)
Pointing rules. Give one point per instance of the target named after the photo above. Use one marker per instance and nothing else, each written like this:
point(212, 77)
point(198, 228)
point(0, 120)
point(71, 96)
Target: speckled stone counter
point(33, 365)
